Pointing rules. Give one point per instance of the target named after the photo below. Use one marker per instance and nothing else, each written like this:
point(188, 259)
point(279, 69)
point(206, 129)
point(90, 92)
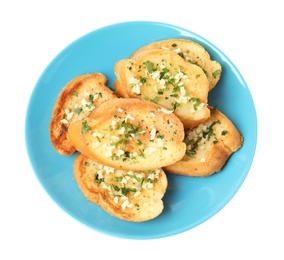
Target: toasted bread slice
point(191, 52)
point(134, 196)
point(163, 77)
point(129, 134)
point(75, 101)
point(209, 146)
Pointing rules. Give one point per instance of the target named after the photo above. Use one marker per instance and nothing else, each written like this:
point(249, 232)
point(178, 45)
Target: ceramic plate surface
point(188, 201)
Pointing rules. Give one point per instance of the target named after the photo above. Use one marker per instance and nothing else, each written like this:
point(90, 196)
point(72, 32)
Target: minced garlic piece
point(135, 84)
point(64, 121)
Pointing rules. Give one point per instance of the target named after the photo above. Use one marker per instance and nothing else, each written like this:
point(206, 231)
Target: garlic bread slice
point(163, 77)
point(208, 146)
point(133, 196)
point(129, 134)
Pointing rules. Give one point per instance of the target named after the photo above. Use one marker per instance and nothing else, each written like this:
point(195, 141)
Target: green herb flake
point(141, 154)
point(149, 66)
point(118, 179)
point(78, 110)
point(181, 54)
point(97, 180)
point(190, 154)
point(114, 187)
point(142, 80)
point(89, 106)
point(196, 102)
point(154, 100)
point(216, 73)
point(212, 110)
point(85, 127)
point(151, 181)
point(91, 98)
point(224, 132)
point(125, 190)
point(139, 142)
point(175, 105)
point(140, 182)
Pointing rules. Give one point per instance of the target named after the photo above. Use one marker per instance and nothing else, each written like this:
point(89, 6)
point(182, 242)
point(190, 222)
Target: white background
point(250, 33)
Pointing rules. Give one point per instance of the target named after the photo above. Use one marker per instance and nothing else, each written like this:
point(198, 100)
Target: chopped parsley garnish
point(216, 73)
point(85, 127)
point(125, 190)
point(175, 105)
point(114, 187)
point(119, 179)
point(213, 109)
point(91, 97)
point(154, 100)
point(142, 80)
point(224, 132)
point(78, 110)
point(196, 102)
point(98, 180)
point(149, 66)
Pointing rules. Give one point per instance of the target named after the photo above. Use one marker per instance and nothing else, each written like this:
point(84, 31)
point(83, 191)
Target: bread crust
point(127, 195)
point(129, 134)
point(82, 94)
point(209, 146)
point(162, 76)
point(191, 52)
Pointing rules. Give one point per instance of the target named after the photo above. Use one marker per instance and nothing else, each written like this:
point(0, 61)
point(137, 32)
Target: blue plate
point(188, 201)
